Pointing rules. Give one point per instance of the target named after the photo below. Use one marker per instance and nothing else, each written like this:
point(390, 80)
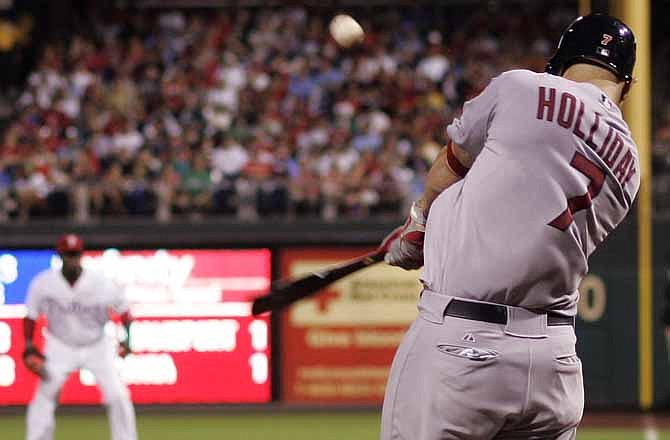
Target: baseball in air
point(345, 30)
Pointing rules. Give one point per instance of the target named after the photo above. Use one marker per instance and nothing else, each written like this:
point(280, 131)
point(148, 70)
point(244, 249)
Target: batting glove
point(404, 246)
point(33, 359)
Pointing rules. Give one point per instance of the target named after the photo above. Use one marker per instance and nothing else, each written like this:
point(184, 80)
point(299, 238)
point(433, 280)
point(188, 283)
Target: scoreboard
point(194, 339)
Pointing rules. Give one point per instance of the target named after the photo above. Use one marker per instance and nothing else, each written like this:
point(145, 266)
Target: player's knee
point(118, 397)
point(114, 401)
point(46, 392)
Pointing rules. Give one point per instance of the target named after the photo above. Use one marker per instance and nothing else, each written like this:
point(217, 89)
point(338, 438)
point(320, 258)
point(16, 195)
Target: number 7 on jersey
point(577, 203)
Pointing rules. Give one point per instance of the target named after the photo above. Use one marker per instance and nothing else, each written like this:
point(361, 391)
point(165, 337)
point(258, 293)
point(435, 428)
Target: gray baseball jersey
point(556, 170)
point(76, 314)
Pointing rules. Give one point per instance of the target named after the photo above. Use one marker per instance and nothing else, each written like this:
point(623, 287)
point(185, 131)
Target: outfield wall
point(336, 348)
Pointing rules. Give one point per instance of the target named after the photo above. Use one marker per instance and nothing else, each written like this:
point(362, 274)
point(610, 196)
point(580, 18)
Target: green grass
point(249, 426)
point(617, 434)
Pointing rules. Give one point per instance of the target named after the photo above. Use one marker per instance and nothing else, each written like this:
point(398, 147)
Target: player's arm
point(33, 359)
point(450, 166)
point(124, 344)
point(119, 306)
point(404, 245)
point(467, 136)
point(29, 331)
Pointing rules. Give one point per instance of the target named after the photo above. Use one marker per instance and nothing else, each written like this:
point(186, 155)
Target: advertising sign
point(194, 339)
point(338, 346)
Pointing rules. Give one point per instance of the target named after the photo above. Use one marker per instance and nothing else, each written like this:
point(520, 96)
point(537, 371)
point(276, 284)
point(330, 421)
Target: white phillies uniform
point(76, 339)
point(555, 171)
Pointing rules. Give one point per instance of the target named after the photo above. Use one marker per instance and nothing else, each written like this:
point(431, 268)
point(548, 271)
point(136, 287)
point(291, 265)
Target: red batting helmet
point(69, 243)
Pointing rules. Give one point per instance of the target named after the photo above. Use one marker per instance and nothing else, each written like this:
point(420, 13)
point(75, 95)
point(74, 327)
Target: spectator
point(107, 197)
point(195, 191)
point(248, 112)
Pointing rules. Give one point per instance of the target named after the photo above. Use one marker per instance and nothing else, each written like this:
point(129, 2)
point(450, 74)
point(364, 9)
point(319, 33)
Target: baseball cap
point(69, 243)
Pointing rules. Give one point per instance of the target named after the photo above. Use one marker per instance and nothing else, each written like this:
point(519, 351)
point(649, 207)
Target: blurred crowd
point(661, 163)
point(250, 113)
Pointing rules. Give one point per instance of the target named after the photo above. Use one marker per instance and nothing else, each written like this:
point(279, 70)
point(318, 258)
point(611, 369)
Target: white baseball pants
point(61, 360)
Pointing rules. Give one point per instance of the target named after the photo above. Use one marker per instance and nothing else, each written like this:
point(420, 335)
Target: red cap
point(69, 243)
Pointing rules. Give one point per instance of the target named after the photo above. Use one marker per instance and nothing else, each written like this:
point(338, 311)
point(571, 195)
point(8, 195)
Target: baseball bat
point(285, 292)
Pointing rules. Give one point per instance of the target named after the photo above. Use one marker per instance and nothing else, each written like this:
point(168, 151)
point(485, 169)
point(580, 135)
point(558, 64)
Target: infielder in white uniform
point(77, 303)
point(540, 168)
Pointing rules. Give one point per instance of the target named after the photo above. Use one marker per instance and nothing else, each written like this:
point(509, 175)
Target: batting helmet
point(69, 243)
point(596, 39)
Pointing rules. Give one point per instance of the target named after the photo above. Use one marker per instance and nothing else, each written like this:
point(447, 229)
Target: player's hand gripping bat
point(285, 292)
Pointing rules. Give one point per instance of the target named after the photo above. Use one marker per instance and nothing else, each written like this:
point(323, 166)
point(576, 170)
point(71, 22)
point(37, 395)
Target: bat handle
point(375, 256)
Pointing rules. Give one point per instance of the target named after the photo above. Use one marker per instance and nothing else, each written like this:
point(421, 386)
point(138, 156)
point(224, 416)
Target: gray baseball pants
point(455, 378)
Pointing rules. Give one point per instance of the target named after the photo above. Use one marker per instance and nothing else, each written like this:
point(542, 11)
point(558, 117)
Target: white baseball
point(345, 30)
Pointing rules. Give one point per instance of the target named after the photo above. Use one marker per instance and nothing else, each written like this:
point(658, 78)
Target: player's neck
point(71, 275)
point(599, 77)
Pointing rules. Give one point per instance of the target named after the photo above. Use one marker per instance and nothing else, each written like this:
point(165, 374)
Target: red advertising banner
point(338, 346)
point(194, 339)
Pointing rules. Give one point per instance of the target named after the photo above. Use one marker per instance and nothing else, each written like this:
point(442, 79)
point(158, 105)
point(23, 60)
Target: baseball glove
point(33, 359)
point(124, 349)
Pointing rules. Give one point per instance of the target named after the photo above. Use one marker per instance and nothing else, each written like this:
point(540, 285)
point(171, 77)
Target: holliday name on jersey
point(613, 144)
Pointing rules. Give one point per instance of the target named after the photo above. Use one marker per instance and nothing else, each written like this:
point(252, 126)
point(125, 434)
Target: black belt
point(494, 313)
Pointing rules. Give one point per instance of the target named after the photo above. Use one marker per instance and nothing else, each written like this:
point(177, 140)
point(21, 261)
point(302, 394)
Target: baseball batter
point(77, 303)
point(540, 168)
